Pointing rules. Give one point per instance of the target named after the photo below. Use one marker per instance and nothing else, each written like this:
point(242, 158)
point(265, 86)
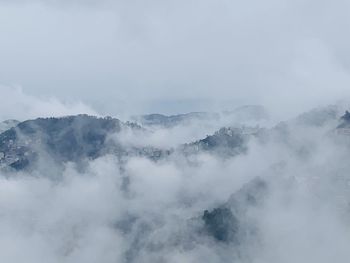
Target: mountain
point(173, 120)
point(243, 114)
point(319, 116)
point(345, 121)
point(76, 138)
point(8, 124)
point(67, 139)
point(234, 221)
point(231, 222)
point(226, 221)
point(248, 113)
point(225, 142)
point(63, 139)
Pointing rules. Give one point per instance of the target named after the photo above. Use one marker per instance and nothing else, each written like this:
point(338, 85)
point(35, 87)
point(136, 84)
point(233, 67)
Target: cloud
point(15, 104)
point(130, 56)
point(139, 210)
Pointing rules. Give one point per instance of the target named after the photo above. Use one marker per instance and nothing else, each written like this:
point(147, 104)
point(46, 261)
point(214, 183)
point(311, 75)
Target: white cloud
point(15, 104)
point(88, 215)
point(128, 56)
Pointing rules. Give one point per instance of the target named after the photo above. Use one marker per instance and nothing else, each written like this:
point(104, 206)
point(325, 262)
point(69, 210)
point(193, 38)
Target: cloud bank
point(15, 104)
point(133, 56)
point(127, 57)
point(138, 210)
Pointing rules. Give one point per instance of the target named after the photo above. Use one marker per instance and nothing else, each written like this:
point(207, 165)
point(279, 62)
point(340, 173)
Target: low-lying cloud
point(16, 104)
point(139, 210)
point(286, 193)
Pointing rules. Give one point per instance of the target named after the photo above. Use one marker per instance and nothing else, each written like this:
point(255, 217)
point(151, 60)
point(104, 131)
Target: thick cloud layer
point(161, 56)
point(127, 57)
point(15, 104)
point(139, 210)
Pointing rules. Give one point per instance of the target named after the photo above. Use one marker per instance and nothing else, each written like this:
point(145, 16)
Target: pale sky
point(177, 56)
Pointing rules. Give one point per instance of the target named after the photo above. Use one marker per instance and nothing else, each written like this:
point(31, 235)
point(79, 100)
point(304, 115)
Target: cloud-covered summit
point(285, 189)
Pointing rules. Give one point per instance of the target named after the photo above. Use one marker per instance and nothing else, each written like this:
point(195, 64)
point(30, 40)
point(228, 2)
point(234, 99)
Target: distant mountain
point(345, 121)
point(64, 139)
point(235, 221)
point(226, 142)
point(76, 138)
point(72, 138)
point(232, 222)
point(173, 120)
point(319, 116)
point(81, 137)
point(241, 114)
point(51, 142)
point(248, 113)
point(344, 125)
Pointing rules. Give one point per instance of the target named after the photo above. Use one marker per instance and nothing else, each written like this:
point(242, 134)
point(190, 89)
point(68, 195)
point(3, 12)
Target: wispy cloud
point(15, 104)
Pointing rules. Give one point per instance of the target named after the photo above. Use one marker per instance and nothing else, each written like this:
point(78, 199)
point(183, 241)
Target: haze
point(251, 166)
point(177, 56)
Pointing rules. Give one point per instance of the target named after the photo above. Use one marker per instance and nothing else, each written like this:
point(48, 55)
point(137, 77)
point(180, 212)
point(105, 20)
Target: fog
point(161, 56)
point(140, 210)
point(18, 105)
point(229, 186)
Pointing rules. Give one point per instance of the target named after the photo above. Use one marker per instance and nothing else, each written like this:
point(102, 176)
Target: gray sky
point(177, 56)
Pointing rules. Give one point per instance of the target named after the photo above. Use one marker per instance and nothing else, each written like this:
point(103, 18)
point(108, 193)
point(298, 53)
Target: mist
point(134, 57)
point(140, 210)
point(187, 131)
point(18, 105)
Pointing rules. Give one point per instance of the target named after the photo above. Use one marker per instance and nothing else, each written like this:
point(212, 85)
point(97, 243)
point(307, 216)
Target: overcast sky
point(177, 56)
